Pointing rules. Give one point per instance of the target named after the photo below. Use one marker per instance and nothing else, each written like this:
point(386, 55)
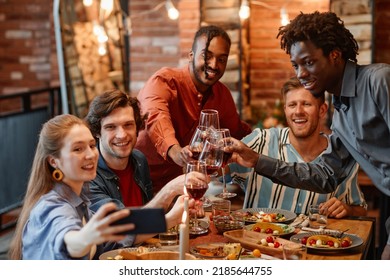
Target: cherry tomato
point(348, 239)
point(269, 239)
point(257, 229)
point(330, 243)
point(276, 244)
point(304, 240)
point(345, 243)
point(312, 242)
point(269, 230)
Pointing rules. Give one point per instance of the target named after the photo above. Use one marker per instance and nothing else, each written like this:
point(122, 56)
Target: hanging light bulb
point(100, 33)
point(106, 4)
point(102, 50)
point(87, 3)
point(284, 17)
point(102, 38)
point(245, 11)
point(173, 13)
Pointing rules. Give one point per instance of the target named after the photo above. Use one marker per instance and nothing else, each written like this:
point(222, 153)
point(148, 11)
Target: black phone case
point(146, 220)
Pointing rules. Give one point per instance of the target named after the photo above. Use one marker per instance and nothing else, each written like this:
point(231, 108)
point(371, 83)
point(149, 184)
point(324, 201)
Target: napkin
point(300, 221)
point(323, 231)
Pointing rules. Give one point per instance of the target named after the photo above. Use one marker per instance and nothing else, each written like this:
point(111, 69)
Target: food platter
point(209, 250)
point(253, 215)
point(286, 229)
point(356, 242)
point(218, 247)
point(252, 240)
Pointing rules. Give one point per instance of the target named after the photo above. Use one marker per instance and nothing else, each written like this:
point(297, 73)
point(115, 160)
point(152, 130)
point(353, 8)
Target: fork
point(340, 233)
point(239, 254)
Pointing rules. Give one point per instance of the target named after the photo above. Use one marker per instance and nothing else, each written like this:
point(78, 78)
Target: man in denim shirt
point(123, 175)
point(323, 53)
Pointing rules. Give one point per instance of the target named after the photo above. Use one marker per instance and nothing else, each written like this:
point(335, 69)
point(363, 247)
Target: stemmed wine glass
point(197, 140)
point(225, 141)
point(209, 118)
point(212, 155)
point(196, 146)
point(196, 186)
point(208, 121)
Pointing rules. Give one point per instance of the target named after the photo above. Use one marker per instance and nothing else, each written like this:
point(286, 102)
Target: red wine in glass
point(212, 169)
point(226, 157)
point(196, 191)
point(225, 136)
point(195, 154)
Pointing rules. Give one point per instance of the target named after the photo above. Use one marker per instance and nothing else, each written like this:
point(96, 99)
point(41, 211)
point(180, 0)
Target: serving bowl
point(227, 223)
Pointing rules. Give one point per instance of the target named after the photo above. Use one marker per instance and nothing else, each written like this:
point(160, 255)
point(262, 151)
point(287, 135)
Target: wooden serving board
point(251, 240)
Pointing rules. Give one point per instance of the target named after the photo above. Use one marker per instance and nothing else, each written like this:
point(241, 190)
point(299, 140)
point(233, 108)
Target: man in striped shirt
point(302, 141)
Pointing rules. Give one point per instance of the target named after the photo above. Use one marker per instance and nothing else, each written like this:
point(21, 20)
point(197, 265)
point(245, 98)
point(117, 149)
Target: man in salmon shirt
point(173, 99)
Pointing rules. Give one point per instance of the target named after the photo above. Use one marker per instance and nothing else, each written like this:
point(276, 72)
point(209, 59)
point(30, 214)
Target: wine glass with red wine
point(225, 141)
point(212, 155)
point(196, 185)
point(197, 141)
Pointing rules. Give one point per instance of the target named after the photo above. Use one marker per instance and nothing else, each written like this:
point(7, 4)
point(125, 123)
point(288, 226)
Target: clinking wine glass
point(197, 141)
point(212, 155)
point(209, 118)
point(196, 146)
point(225, 141)
point(196, 186)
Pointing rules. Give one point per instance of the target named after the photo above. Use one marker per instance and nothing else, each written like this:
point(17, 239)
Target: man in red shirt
point(173, 99)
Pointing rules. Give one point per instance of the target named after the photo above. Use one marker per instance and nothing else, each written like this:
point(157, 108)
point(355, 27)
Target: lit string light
point(245, 11)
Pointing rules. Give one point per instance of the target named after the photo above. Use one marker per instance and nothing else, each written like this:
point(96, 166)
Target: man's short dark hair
point(102, 105)
point(210, 31)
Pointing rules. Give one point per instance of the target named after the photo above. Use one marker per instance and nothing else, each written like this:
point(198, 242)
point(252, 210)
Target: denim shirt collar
point(105, 170)
point(78, 202)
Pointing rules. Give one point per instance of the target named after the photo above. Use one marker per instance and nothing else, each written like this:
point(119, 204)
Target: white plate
point(287, 229)
point(290, 216)
point(356, 242)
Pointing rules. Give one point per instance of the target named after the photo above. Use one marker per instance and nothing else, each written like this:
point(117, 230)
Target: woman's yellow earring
point(57, 175)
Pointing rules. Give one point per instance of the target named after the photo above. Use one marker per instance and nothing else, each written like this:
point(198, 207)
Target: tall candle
point(184, 232)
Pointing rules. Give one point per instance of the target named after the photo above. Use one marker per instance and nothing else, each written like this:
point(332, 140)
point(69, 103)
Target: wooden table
point(216, 187)
point(364, 227)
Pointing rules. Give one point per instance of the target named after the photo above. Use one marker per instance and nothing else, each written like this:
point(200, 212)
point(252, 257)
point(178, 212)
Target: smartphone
point(146, 220)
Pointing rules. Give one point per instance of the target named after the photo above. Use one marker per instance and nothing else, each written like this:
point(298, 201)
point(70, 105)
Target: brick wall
point(154, 41)
point(382, 31)
point(158, 41)
point(25, 45)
